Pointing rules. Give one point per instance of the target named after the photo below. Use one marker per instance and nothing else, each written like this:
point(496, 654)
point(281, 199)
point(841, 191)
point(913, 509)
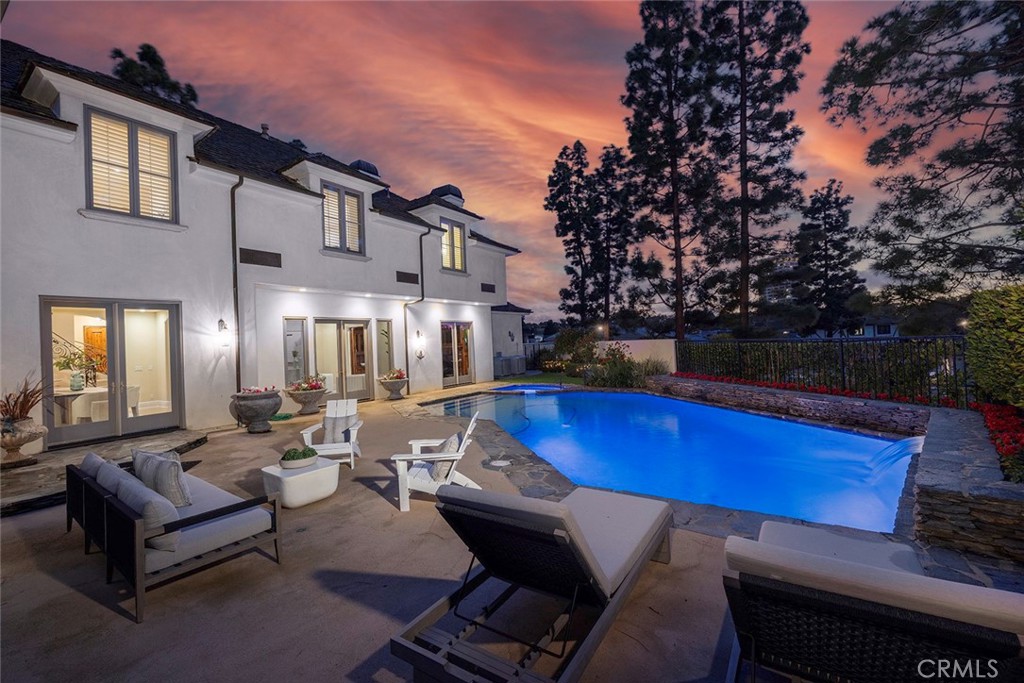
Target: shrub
point(299, 453)
point(995, 343)
point(540, 358)
point(624, 372)
point(577, 348)
point(1006, 431)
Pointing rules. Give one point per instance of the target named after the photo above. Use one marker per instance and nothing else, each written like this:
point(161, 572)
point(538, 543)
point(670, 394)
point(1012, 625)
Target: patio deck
point(355, 570)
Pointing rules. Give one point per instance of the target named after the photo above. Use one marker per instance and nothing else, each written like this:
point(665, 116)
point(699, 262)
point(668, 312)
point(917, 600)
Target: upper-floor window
point(130, 167)
point(453, 245)
point(343, 220)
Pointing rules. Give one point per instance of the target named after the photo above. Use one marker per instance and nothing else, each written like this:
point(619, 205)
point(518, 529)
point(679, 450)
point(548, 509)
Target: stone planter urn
point(309, 400)
point(254, 410)
point(395, 386)
point(15, 435)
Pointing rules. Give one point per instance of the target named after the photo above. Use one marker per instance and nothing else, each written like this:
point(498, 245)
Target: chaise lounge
point(584, 554)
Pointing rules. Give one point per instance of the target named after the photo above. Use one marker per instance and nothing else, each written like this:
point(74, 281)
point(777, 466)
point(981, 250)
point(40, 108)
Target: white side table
point(303, 485)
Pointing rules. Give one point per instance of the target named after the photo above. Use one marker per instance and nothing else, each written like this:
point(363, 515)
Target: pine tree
point(677, 181)
point(570, 197)
point(945, 81)
point(616, 228)
point(826, 258)
point(150, 73)
point(755, 50)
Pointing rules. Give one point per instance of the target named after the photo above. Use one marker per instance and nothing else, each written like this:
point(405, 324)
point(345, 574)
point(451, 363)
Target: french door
point(110, 367)
point(456, 353)
point(343, 357)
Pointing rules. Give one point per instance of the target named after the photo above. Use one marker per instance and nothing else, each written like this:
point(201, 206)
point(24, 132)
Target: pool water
point(702, 454)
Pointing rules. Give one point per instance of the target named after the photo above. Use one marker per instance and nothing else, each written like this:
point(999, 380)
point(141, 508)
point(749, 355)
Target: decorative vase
point(77, 381)
point(309, 400)
point(395, 386)
point(296, 464)
point(15, 435)
point(254, 410)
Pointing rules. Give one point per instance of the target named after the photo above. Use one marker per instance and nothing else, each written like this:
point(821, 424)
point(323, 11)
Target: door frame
point(342, 389)
point(118, 424)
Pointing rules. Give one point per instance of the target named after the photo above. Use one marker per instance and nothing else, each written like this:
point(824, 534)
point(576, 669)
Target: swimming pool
point(702, 454)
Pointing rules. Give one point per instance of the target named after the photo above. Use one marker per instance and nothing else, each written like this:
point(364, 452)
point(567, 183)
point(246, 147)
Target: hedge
point(995, 343)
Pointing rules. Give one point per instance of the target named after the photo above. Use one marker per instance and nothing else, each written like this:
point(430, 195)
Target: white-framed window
point(130, 167)
point(343, 219)
point(453, 245)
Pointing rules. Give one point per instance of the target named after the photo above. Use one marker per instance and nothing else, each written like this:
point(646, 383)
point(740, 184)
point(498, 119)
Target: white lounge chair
point(432, 464)
point(339, 418)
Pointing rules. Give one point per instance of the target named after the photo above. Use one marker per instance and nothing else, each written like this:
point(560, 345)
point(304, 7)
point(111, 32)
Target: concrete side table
point(304, 485)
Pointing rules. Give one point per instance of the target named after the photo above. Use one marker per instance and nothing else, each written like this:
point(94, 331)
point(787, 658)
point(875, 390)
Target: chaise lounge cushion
point(208, 536)
point(898, 588)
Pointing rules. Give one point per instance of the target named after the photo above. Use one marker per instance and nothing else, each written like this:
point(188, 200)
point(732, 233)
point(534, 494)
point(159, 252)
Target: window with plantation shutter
point(130, 167)
point(343, 220)
point(453, 245)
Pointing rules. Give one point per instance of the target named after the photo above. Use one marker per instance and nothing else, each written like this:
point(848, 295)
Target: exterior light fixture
point(420, 345)
point(223, 333)
point(511, 335)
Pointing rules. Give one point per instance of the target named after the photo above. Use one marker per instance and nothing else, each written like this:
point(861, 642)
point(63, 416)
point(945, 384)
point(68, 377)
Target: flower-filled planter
point(394, 382)
point(307, 393)
point(254, 407)
point(295, 458)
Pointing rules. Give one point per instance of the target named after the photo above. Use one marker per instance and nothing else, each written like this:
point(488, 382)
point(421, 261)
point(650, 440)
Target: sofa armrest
point(211, 515)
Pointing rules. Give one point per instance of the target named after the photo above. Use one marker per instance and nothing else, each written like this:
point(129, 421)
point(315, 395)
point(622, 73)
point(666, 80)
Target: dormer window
point(453, 245)
point(130, 167)
point(343, 220)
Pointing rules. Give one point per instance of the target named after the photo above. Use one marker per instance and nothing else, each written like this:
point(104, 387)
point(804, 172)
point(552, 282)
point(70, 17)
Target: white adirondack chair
point(345, 449)
point(416, 470)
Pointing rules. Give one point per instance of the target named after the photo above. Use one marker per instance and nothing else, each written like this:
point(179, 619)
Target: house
point(156, 258)
point(507, 339)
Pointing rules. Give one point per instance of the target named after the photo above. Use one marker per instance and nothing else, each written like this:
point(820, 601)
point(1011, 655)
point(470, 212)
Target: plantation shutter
point(458, 238)
point(111, 166)
point(446, 248)
point(156, 197)
point(332, 218)
point(352, 232)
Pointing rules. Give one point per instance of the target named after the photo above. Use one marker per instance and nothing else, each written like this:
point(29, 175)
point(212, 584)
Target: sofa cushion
point(208, 536)
point(110, 476)
point(155, 510)
point(91, 464)
point(163, 475)
point(205, 497)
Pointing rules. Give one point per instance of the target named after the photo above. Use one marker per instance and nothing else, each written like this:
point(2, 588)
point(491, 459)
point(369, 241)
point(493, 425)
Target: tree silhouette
point(150, 73)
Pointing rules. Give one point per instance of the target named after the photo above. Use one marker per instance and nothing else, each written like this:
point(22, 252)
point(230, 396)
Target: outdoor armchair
point(341, 427)
point(433, 463)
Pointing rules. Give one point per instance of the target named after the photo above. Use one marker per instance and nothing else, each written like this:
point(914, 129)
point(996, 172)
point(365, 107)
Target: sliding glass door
point(456, 353)
point(344, 357)
point(111, 368)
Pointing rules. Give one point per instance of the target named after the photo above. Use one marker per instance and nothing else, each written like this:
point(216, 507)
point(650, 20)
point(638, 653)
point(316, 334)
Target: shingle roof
point(426, 200)
point(494, 243)
point(390, 204)
point(509, 307)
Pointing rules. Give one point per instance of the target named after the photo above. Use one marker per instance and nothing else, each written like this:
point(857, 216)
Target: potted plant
point(308, 393)
point(394, 382)
point(254, 407)
point(295, 458)
point(18, 428)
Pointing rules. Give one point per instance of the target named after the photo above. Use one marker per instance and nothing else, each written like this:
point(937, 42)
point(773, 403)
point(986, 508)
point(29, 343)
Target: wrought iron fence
point(919, 369)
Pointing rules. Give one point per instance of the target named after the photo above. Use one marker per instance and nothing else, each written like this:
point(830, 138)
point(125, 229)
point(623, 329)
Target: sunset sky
point(482, 95)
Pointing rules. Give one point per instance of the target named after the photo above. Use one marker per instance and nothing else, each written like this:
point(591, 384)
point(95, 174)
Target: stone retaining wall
point(878, 416)
point(961, 500)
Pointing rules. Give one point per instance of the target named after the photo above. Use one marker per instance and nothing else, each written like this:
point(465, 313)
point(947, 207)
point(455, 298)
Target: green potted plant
point(394, 381)
point(295, 458)
point(307, 392)
point(18, 428)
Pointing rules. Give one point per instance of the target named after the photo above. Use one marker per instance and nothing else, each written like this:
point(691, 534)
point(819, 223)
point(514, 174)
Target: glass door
point(113, 368)
point(343, 357)
point(357, 360)
point(456, 353)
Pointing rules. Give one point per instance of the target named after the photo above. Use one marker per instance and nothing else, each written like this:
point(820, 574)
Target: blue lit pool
point(527, 388)
point(701, 454)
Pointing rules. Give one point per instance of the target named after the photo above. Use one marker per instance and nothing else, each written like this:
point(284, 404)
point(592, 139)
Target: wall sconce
point(420, 345)
point(511, 335)
point(223, 333)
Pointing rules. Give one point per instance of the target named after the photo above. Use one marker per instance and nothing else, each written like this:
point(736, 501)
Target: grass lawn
point(543, 378)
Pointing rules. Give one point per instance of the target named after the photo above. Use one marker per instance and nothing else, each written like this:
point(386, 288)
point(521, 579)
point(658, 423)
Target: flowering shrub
point(1006, 431)
point(397, 373)
point(256, 390)
point(309, 383)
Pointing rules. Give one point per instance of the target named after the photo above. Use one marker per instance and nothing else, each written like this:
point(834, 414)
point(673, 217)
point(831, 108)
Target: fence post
point(739, 360)
point(842, 362)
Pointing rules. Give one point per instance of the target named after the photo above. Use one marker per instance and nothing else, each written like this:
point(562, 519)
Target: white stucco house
point(167, 257)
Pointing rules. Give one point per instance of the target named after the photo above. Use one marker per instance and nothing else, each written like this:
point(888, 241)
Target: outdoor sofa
point(149, 540)
point(842, 605)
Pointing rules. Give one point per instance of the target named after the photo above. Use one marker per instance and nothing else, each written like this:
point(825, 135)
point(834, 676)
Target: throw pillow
point(110, 477)
point(91, 464)
point(155, 510)
point(336, 428)
point(439, 470)
point(169, 481)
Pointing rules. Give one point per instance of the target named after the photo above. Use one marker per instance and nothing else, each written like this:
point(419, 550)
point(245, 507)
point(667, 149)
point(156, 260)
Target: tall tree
point(677, 181)
point(755, 50)
point(150, 73)
point(945, 82)
point(825, 273)
point(616, 228)
point(570, 197)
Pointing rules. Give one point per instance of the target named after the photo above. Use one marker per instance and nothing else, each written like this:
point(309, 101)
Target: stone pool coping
point(537, 478)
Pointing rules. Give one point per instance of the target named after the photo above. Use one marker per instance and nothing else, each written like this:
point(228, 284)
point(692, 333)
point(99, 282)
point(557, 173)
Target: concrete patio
point(355, 570)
